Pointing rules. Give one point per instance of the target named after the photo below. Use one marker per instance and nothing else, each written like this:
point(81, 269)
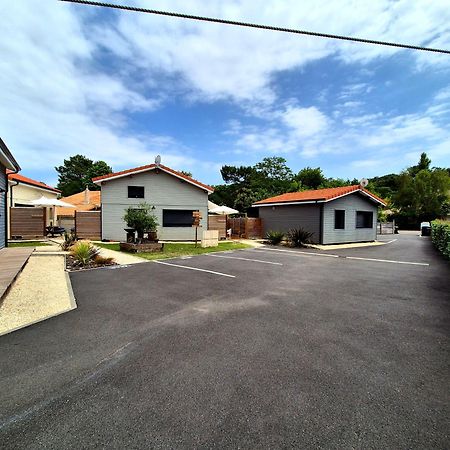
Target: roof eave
point(148, 169)
point(298, 202)
point(6, 157)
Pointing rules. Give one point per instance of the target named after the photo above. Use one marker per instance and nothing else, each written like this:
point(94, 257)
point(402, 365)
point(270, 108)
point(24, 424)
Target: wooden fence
point(386, 227)
point(245, 227)
point(219, 223)
point(88, 225)
point(26, 223)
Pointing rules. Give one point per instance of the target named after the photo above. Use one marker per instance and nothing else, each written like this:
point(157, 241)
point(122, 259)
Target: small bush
point(104, 261)
point(69, 240)
point(440, 236)
point(84, 253)
point(274, 237)
point(298, 237)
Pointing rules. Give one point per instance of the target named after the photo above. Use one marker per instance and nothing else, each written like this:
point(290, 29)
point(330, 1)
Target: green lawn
point(176, 250)
point(28, 244)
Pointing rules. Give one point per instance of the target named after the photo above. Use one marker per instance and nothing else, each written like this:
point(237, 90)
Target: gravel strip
point(121, 257)
point(41, 290)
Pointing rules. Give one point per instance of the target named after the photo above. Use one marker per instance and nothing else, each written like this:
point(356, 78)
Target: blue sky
point(124, 87)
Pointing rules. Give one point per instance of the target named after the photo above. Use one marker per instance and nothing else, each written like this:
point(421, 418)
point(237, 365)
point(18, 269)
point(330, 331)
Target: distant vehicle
point(425, 229)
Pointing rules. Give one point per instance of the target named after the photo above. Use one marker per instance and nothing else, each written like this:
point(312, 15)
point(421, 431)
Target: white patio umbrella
point(225, 210)
point(52, 203)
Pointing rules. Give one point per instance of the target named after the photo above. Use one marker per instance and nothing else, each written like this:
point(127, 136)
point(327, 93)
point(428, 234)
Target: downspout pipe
point(8, 213)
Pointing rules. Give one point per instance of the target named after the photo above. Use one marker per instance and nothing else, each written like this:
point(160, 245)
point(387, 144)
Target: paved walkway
point(121, 257)
point(12, 261)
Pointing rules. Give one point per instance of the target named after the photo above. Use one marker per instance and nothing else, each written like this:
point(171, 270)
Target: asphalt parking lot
point(256, 348)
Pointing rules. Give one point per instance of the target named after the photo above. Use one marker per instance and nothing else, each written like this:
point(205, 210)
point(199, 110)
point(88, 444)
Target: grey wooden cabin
point(334, 216)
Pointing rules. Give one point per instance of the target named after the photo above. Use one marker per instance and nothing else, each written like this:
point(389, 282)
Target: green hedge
point(440, 235)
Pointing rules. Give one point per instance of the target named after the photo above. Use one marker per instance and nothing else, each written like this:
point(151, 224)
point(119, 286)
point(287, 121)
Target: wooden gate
point(245, 227)
point(386, 227)
point(26, 223)
point(88, 225)
point(219, 223)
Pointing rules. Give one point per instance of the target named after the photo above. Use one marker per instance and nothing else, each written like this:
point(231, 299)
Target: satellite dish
point(158, 160)
point(364, 182)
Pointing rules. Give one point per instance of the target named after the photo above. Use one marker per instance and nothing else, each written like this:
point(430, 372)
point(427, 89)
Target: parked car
point(425, 229)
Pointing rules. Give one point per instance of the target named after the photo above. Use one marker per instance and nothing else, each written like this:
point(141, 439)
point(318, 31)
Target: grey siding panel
point(282, 218)
point(3, 212)
point(350, 203)
point(163, 191)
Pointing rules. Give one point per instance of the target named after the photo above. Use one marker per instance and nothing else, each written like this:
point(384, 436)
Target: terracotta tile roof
point(322, 195)
point(151, 167)
point(26, 180)
point(79, 200)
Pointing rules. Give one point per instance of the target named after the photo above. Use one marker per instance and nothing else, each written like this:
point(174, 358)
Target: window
point(177, 218)
point(364, 219)
point(339, 219)
point(136, 191)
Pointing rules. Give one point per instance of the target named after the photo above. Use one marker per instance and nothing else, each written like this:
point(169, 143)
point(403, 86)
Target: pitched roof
point(31, 182)
point(7, 158)
point(79, 201)
point(318, 195)
point(124, 173)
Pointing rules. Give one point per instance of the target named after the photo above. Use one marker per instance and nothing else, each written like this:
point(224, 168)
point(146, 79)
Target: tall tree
point(274, 168)
point(77, 172)
point(424, 164)
point(423, 197)
point(310, 178)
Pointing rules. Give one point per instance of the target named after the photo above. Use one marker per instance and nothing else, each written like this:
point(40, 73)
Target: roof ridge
point(154, 166)
point(324, 194)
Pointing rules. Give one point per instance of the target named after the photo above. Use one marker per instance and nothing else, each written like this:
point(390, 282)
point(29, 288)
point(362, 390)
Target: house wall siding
point(163, 191)
point(283, 218)
point(350, 203)
point(3, 210)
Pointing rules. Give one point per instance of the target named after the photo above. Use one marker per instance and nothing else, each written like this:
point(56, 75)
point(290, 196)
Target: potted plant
point(141, 219)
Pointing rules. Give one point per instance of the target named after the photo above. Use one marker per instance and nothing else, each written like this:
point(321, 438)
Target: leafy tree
point(310, 178)
point(424, 164)
point(77, 172)
point(423, 197)
point(185, 172)
point(274, 168)
point(384, 186)
point(237, 175)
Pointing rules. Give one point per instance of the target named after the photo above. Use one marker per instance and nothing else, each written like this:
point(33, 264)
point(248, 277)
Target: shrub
point(104, 260)
point(298, 237)
point(440, 236)
point(141, 218)
point(84, 253)
point(69, 240)
point(274, 237)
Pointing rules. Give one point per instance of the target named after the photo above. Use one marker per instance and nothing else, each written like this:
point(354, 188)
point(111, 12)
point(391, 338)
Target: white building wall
point(163, 191)
point(24, 194)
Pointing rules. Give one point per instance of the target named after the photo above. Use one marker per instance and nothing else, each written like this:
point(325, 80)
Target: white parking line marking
point(294, 252)
point(195, 268)
point(387, 261)
point(390, 242)
point(247, 259)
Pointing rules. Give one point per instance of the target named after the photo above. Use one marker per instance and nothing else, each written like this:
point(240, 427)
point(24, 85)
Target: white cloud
point(56, 100)
point(219, 62)
point(305, 122)
point(59, 97)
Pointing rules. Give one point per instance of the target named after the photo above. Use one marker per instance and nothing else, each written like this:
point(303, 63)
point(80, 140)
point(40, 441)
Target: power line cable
point(259, 26)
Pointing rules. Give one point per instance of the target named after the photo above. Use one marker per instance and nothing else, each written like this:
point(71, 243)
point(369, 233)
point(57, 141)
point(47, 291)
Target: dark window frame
point(367, 220)
point(136, 195)
point(339, 222)
point(170, 223)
